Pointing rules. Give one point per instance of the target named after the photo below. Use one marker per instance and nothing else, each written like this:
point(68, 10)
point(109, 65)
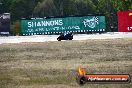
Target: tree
point(15, 28)
point(85, 7)
point(122, 4)
point(55, 8)
point(46, 8)
point(5, 6)
point(65, 8)
point(22, 9)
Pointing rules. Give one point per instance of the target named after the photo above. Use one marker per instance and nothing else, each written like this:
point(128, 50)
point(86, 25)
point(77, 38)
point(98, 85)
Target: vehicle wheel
point(59, 39)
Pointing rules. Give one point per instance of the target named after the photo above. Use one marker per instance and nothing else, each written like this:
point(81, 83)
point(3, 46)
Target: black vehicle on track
point(68, 36)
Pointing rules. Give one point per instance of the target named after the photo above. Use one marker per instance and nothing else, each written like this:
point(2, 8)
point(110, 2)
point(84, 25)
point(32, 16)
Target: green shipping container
point(61, 25)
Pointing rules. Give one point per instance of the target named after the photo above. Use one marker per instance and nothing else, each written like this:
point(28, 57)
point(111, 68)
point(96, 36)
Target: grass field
point(54, 64)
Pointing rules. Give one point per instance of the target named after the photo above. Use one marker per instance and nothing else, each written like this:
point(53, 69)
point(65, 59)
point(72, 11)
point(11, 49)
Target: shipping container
point(124, 21)
point(5, 24)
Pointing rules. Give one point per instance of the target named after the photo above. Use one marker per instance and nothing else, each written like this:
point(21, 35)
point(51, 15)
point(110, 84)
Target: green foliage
point(122, 4)
point(64, 8)
point(40, 8)
point(5, 6)
point(46, 8)
point(16, 28)
point(21, 9)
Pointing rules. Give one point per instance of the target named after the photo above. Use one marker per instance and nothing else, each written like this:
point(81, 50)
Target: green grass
point(54, 64)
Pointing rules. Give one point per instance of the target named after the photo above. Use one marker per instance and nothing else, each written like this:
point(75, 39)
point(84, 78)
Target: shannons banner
point(61, 25)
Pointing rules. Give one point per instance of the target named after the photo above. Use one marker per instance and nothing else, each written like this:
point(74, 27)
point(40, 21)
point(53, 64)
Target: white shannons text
point(45, 23)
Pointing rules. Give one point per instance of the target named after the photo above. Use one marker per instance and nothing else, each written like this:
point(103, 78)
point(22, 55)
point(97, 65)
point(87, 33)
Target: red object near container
point(124, 21)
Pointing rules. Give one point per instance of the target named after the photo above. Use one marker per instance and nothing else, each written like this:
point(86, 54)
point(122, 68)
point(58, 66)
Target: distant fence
point(61, 25)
